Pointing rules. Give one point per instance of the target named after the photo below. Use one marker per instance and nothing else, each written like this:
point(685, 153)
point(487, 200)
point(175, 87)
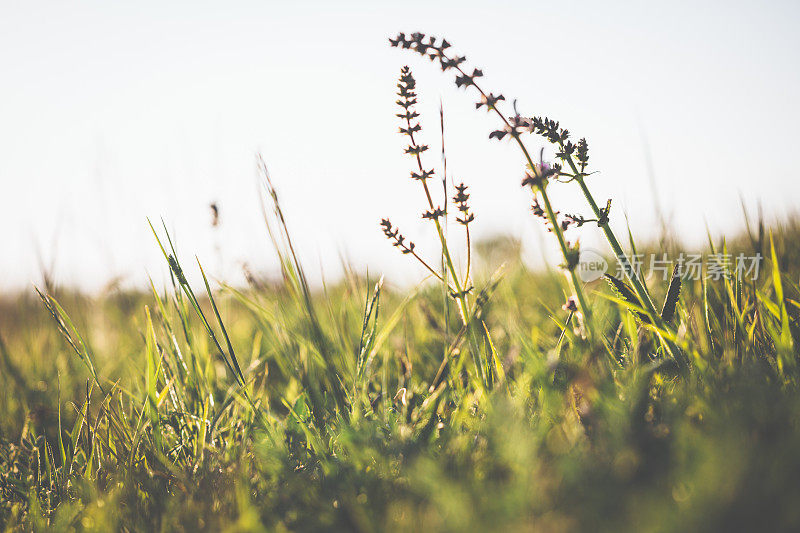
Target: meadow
point(489, 397)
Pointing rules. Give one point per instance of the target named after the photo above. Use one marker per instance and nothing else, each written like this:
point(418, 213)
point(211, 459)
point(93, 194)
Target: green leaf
point(673, 294)
point(626, 293)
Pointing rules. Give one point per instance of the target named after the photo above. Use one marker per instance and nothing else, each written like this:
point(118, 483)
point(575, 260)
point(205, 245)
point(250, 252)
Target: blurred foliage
point(337, 426)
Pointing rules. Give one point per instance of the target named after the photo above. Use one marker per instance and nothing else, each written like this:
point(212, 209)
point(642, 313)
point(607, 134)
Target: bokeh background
point(113, 112)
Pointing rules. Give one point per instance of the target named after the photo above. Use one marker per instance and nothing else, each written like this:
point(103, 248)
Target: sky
point(114, 112)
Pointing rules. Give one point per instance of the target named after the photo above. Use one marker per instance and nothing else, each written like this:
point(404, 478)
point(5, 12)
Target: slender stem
point(461, 296)
point(575, 284)
point(573, 276)
point(426, 265)
point(639, 287)
point(442, 239)
point(641, 290)
point(469, 254)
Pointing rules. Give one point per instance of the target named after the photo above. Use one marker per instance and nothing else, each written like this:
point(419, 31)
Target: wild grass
point(484, 399)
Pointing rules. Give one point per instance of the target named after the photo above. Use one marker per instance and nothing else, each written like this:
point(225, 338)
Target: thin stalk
point(639, 287)
point(463, 307)
point(469, 255)
point(575, 284)
point(426, 265)
point(445, 285)
point(460, 294)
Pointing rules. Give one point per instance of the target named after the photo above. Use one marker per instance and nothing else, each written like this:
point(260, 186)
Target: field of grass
point(482, 400)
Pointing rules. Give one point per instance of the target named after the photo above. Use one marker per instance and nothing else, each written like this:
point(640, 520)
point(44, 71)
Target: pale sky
point(111, 112)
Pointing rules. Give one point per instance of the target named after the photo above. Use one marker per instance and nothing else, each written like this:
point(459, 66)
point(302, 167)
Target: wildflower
point(400, 41)
point(582, 153)
point(393, 234)
point(415, 149)
point(466, 80)
point(540, 175)
point(567, 149)
point(571, 305)
point(547, 128)
point(433, 214)
point(572, 256)
point(573, 220)
point(425, 174)
point(603, 219)
point(499, 134)
point(408, 98)
point(513, 127)
point(408, 116)
point(460, 199)
point(489, 101)
point(411, 129)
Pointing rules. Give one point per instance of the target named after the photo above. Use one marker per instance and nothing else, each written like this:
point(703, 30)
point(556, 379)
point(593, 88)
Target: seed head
point(465, 80)
point(425, 174)
point(393, 234)
point(434, 213)
point(416, 149)
point(540, 174)
point(461, 199)
point(489, 101)
point(547, 128)
point(176, 269)
point(408, 98)
point(582, 153)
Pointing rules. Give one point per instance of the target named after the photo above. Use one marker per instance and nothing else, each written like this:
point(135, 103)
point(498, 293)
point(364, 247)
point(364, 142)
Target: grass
point(476, 401)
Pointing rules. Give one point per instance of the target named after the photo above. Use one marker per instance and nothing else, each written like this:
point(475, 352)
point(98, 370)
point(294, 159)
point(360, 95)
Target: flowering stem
point(639, 287)
point(641, 290)
point(575, 284)
point(440, 231)
point(460, 294)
